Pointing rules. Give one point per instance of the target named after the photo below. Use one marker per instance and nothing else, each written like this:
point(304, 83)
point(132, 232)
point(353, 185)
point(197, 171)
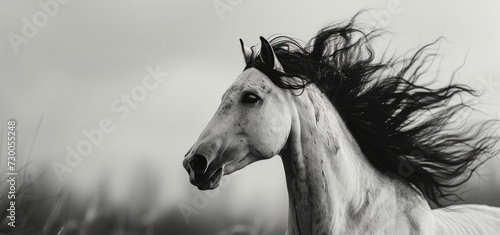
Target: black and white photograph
point(238, 117)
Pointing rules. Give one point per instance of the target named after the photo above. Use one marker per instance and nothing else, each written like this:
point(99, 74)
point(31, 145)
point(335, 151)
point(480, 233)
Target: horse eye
point(250, 98)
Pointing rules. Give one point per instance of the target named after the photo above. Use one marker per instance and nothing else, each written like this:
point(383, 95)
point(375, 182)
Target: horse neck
point(332, 187)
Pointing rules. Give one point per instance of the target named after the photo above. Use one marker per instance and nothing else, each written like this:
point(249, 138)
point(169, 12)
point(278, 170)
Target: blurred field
point(40, 210)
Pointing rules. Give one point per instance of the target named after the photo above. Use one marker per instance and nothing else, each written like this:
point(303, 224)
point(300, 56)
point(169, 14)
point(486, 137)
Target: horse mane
point(398, 124)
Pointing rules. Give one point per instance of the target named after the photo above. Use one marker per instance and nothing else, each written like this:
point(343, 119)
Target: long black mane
point(401, 127)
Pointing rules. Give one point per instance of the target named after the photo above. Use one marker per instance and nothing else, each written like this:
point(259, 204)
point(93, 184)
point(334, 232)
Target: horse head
point(252, 123)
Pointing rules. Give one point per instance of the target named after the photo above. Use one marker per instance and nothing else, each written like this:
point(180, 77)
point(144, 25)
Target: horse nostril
point(198, 164)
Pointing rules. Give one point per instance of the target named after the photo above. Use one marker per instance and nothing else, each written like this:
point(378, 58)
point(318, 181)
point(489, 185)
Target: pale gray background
point(93, 51)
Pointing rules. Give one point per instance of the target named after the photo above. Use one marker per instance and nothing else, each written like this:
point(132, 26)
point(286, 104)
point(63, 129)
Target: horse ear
point(267, 55)
point(247, 52)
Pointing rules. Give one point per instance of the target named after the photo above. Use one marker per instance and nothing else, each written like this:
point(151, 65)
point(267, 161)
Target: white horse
point(338, 181)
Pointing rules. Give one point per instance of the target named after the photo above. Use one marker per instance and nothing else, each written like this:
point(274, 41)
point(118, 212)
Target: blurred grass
point(44, 206)
point(40, 211)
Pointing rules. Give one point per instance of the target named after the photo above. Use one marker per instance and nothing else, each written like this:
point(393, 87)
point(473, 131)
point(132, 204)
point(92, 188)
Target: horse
point(365, 148)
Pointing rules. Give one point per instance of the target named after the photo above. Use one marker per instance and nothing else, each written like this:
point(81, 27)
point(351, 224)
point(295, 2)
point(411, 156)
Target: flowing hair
point(401, 127)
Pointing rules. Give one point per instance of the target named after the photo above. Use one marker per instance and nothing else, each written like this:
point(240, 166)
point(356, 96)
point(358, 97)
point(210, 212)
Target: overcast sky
point(86, 54)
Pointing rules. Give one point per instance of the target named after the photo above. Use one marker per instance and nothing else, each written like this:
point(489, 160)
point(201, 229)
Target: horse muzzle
point(200, 174)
